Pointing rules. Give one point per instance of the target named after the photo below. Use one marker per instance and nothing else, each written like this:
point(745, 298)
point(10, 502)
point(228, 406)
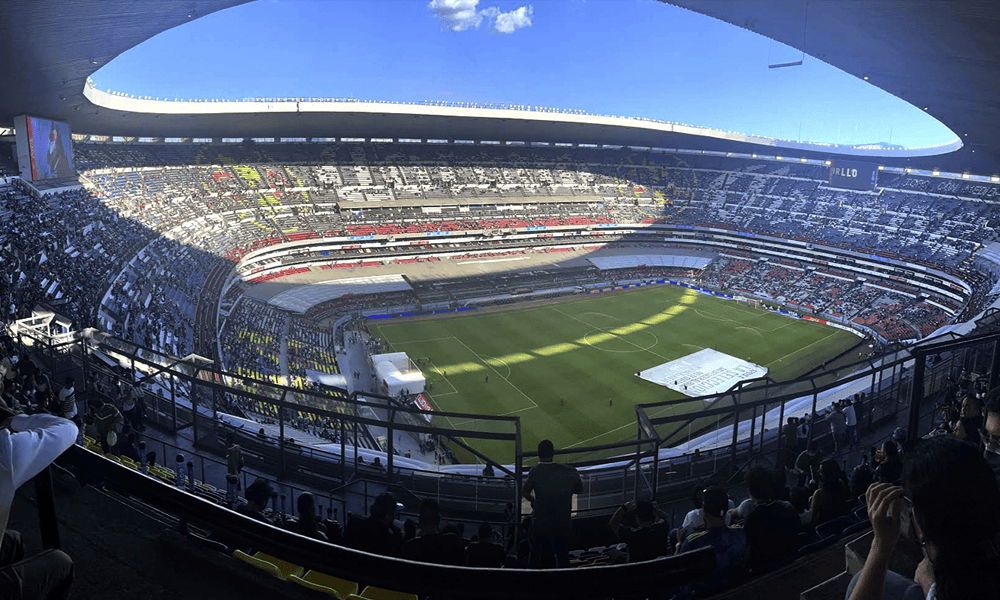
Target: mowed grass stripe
point(570, 351)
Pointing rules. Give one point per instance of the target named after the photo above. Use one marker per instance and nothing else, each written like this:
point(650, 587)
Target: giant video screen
point(50, 149)
point(854, 175)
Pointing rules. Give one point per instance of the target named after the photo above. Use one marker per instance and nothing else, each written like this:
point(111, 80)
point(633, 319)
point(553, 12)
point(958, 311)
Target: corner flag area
point(703, 373)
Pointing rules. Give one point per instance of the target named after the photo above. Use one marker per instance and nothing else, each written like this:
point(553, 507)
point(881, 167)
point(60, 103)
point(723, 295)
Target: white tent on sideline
point(396, 373)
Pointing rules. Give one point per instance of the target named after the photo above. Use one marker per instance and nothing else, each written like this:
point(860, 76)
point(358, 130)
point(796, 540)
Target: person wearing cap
point(729, 543)
point(377, 533)
point(550, 488)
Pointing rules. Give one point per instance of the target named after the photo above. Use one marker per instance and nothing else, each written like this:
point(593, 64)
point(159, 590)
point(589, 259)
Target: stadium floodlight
point(995, 178)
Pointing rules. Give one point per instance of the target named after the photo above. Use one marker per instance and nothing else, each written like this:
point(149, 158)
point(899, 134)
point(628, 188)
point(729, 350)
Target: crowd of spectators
point(251, 340)
point(894, 314)
point(244, 197)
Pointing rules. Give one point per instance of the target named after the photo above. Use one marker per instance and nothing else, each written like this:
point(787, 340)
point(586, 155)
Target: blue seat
point(819, 545)
point(860, 526)
point(834, 526)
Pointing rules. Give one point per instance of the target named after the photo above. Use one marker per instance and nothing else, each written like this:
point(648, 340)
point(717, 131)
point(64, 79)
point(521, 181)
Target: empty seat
point(285, 568)
point(263, 565)
point(328, 584)
point(834, 526)
point(376, 593)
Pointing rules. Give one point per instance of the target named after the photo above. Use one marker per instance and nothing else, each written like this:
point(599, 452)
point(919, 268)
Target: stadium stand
point(146, 253)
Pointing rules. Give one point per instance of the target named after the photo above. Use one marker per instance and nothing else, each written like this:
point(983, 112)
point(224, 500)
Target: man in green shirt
point(549, 489)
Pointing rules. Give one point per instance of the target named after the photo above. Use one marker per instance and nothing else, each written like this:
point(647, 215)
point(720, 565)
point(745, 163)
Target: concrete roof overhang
point(943, 55)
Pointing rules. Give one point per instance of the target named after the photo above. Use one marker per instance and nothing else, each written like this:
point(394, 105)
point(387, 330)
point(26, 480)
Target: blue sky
point(624, 57)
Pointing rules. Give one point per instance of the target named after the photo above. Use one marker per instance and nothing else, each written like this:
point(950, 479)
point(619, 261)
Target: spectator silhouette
point(485, 551)
point(990, 434)
point(432, 545)
point(107, 418)
point(257, 495)
point(729, 543)
point(309, 524)
point(377, 533)
point(771, 526)
point(890, 464)
point(828, 501)
point(549, 489)
point(651, 538)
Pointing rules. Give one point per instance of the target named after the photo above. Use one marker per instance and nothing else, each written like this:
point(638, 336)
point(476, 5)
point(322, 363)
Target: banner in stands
point(853, 175)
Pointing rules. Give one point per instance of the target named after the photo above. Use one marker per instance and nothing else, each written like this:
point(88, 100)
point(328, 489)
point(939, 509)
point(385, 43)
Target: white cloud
point(459, 15)
point(510, 22)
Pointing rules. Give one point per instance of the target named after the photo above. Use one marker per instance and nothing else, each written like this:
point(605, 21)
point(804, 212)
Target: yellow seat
point(263, 565)
point(328, 584)
point(286, 568)
point(376, 593)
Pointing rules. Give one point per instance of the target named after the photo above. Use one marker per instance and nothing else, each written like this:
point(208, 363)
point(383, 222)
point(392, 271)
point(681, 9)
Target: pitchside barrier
point(670, 451)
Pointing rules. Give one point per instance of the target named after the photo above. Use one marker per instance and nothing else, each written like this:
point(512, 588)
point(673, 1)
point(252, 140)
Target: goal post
point(748, 301)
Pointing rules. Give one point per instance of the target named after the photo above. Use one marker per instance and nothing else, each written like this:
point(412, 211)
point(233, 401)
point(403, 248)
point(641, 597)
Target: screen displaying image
point(854, 175)
point(50, 149)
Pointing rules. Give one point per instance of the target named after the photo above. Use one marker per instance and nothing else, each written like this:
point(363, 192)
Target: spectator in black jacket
point(485, 552)
point(309, 524)
point(651, 539)
point(377, 533)
point(257, 495)
point(771, 527)
point(432, 545)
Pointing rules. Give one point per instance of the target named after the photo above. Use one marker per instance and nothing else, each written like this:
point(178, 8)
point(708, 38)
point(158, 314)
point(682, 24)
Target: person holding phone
point(954, 499)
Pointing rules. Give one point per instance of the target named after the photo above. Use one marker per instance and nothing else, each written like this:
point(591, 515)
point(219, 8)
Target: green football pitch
point(568, 369)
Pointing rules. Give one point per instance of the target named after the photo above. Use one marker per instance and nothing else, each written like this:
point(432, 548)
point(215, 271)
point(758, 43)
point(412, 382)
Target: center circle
point(639, 341)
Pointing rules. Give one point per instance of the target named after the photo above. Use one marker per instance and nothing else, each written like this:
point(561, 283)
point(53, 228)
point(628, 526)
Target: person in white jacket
point(28, 444)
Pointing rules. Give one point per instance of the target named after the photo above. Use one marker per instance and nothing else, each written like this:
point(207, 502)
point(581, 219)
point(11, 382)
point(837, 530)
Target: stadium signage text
point(843, 172)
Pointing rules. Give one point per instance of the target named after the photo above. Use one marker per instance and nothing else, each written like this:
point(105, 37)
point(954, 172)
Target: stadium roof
point(942, 55)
